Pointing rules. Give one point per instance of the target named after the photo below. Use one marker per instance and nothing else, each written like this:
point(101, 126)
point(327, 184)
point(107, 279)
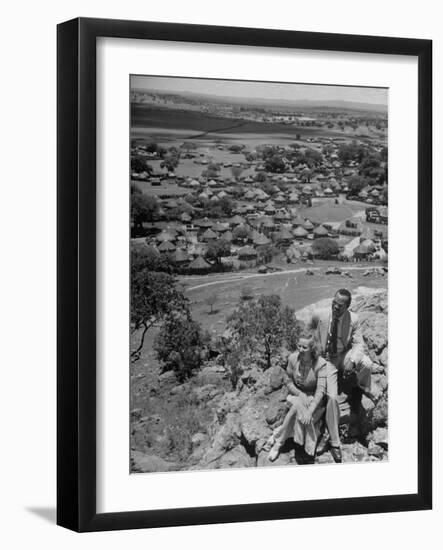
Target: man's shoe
point(322, 445)
point(336, 454)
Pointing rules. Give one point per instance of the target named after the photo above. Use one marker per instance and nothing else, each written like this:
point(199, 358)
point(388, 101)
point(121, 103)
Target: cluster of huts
point(264, 216)
point(252, 241)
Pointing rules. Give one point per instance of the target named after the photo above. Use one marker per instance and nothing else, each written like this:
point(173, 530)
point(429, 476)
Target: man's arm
point(357, 343)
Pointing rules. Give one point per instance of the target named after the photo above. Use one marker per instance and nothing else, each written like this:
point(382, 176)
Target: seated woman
point(307, 374)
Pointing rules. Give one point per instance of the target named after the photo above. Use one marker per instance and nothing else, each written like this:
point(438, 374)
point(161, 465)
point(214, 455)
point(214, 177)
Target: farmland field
point(144, 116)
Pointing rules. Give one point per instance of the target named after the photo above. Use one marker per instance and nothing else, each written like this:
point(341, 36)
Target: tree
point(143, 209)
point(155, 148)
point(226, 204)
point(138, 165)
point(235, 148)
point(348, 152)
point(356, 184)
point(313, 158)
point(371, 169)
point(146, 257)
point(275, 164)
point(325, 248)
point(260, 177)
point(267, 187)
point(267, 252)
point(250, 156)
point(306, 175)
point(171, 159)
point(153, 296)
point(217, 250)
point(263, 325)
point(240, 233)
point(211, 300)
point(212, 170)
point(180, 343)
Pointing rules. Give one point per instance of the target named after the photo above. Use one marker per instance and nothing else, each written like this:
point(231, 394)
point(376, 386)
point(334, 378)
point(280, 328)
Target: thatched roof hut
point(320, 231)
point(300, 232)
point(247, 253)
point(166, 246)
point(199, 264)
point(260, 240)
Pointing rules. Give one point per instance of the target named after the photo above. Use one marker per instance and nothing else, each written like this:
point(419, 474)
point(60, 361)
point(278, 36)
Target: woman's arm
point(320, 391)
point(290, 369)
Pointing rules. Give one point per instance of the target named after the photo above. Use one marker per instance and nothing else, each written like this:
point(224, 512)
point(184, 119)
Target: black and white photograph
point(259, 274)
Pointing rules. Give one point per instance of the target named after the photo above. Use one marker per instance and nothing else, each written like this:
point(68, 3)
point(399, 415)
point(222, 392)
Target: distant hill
point(283, 103)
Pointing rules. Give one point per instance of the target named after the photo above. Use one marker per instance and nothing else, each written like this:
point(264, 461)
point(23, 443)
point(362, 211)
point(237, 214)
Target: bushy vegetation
point(264, 325)
point(180, 344)
point(153, 297)
point(325, 248)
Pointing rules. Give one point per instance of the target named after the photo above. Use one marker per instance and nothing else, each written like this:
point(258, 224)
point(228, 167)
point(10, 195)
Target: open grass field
point(296, 290)
point(165, 188)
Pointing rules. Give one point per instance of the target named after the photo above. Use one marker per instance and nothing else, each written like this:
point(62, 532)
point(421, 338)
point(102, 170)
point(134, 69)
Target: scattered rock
point(333, 271)
point(236, 458)
point(250, 376)
point(253, 425)
point(206, 393)
point(277, 378)
point(136, 414)
point(379, 437)
point(210, 375)
point(198, 438)
point(176, 390)
point(375, 450)
point(383, 357)
point(168, 378)
point(275, 412)
point(141, 462)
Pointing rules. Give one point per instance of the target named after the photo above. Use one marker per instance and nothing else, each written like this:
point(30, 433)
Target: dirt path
point(217, 131)
point(254, 275)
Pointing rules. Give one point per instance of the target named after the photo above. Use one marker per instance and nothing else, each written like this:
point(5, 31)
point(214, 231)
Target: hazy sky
point(267, 90)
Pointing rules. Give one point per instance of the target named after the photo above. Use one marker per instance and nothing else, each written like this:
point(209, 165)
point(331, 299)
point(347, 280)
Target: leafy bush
point(264, 325)
point(180, 343)
point(325, 248)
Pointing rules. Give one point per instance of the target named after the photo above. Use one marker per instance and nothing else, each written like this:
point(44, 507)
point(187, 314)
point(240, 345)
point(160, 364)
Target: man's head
point(341, 302)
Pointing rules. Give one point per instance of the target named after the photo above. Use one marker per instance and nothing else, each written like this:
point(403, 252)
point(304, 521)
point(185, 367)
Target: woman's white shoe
point(274, 452)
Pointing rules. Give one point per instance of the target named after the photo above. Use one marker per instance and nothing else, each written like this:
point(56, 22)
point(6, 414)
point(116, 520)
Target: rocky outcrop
point(245, 419)
point(234, 427)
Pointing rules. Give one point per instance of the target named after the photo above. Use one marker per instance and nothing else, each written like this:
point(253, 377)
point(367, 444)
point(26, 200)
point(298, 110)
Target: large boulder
point(236, 458)
point(277, 377)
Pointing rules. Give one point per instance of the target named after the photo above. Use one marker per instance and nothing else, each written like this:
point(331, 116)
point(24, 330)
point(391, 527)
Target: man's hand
point(348, 368)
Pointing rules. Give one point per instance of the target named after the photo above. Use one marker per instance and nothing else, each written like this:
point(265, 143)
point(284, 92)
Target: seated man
point(342, 344)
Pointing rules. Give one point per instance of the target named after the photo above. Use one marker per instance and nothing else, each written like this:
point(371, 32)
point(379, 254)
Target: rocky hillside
point(230, 428)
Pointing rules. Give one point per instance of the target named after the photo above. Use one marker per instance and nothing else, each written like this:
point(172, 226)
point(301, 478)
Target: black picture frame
point(76, 294)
